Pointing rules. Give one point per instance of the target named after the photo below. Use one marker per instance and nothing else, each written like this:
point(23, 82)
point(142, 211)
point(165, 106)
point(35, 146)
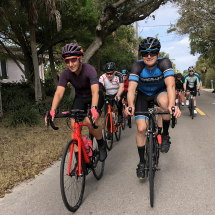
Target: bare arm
point(95, 94)
point(57, 97)
point(170, 84)
point(120, 90)
point(131, 95)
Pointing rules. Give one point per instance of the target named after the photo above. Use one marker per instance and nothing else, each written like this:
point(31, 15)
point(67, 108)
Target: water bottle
point(88, 146)
point(114, 118)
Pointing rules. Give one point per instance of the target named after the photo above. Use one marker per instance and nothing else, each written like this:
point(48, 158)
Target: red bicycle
point(75, 165)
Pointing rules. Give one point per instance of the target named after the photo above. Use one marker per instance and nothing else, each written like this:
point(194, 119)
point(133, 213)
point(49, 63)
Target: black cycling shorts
point(192, 89)
point(143, 101)
point(124, 95)
point(81, 103)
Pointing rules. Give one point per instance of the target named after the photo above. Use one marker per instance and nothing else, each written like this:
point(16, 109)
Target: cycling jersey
point(191, 81)
point(126, 85)
point(195, 74)
point(112, 86)
point(178, 83)
point(82, 83)
point(151, 81)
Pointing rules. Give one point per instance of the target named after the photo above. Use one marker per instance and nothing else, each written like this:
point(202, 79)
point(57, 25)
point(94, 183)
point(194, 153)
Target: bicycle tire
point(109, 142)
point(98, 170)
point(123, 121)
point(151, 171)
point(179, 101)
point(118, 131)
point(72, 180)
point(192, 108)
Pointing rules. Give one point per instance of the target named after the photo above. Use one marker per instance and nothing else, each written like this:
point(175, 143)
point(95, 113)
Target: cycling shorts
point(143, 102)
point(192, 89)
point(81, 103)
point(124, 95)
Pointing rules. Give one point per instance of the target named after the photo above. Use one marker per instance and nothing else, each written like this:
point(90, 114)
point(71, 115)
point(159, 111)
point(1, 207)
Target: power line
point(153, 26)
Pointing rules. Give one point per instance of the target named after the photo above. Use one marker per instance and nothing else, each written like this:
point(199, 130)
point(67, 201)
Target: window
point(3, 69)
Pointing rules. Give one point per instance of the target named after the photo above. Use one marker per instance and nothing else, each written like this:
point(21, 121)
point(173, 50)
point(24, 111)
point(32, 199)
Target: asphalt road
point(185, 184)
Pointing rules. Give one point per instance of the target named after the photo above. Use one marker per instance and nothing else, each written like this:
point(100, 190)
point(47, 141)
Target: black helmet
point(149, 44)
point(124, 71)
point(178, 75)
point(111, 66)
point(191, 68)
point(71, 49)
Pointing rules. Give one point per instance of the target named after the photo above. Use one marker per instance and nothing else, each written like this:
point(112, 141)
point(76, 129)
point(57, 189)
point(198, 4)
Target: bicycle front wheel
point(98, 166)
point(151, 170)
point(108, 134)
point(192, 108)
point(118, 131)
point(72, 186)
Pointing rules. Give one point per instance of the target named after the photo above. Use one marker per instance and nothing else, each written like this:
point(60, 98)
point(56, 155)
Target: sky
point(176, 46)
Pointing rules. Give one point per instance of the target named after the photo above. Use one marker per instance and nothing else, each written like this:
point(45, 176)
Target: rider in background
point(154, 77)
point(84, 79)
point(126, 79)
point(113, 83)
point(179, 81)
point(191, 81)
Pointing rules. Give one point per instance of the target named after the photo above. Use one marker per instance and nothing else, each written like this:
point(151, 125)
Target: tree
point(114, 13)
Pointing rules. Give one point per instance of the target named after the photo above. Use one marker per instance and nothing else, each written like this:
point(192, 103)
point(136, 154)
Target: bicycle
point(111, 125)
point(75, 167)
point(124, 118)
point(178, 98)
point(152, 151)
point(191, 103)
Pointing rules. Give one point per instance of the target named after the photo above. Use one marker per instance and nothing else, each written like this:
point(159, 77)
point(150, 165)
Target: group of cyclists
point(151, 79)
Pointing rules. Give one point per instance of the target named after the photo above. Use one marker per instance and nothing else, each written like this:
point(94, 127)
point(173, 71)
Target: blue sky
point(176, 46)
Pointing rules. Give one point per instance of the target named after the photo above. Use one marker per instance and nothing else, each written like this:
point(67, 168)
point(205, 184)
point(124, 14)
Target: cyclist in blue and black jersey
point(154, 77)
point(191, 81)
point(179, 81)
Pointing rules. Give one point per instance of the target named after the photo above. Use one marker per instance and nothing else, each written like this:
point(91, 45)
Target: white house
point(10, 72)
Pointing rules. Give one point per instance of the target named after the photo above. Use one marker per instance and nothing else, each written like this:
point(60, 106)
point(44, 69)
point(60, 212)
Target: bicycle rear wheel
point(108, 135)
point(151, 170)
point(123, 121)
point(72, 186)
point(98, 166)
point(118, 131)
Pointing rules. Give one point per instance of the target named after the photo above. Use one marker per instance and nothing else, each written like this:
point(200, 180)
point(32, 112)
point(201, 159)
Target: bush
point(27, 115)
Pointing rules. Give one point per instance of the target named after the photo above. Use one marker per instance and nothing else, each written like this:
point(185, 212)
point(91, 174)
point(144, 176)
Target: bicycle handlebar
point(75, 114)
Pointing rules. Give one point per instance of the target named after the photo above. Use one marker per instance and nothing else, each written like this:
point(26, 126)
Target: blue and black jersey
point(151, 81)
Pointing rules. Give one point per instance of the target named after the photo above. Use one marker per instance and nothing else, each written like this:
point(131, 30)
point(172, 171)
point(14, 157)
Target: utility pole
point(137, 37)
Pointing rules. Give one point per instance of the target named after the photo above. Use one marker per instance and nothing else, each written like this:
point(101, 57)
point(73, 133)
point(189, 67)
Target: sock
point(141, 151)
point(100, 142)
point(159, 130)
point(166, 127)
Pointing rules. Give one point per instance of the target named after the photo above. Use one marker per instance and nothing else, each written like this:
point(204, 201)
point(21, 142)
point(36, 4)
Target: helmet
point(149, 44)
point(111, 66)
point(191, 68)
point(124, 71)
point(71, 49)
point(178, 75)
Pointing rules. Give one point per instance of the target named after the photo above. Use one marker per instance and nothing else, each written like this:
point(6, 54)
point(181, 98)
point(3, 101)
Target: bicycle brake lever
point(173, 117)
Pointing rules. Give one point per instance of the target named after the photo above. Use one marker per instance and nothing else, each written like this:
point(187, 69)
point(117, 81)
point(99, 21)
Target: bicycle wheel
point(151, 170)
point(179, 101)
point(72, 186)
point(192, 109)
point(108, 135)
point(118, 131)
point(98, 166)
point(123, 121)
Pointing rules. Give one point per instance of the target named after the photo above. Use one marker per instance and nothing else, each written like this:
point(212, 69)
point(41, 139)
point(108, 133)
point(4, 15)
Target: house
point(10, 72)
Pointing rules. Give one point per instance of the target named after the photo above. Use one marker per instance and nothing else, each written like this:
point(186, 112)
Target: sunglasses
point(124, 75)
point(109, 73)
point(191, 71)
point(72, 60)
point(152, 54)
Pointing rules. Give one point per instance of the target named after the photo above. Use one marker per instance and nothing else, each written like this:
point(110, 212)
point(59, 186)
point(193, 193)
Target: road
point(185, 184)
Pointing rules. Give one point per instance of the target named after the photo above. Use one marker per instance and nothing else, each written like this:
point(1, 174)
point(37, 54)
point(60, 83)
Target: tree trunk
point(98, 65)
point(1, 111)
point(38, 92)
point(95, 45)
point(53, 71)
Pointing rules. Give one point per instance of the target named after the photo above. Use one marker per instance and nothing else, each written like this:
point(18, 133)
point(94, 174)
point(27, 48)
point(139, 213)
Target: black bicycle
point(191, 103)
point(126, 120)
point(152, 146)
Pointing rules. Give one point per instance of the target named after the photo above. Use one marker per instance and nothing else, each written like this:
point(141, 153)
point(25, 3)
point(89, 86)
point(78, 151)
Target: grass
point(26, 151)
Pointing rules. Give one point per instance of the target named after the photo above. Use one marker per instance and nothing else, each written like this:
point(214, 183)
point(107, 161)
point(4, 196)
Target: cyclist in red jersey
point(126, 79)
point(84, 79)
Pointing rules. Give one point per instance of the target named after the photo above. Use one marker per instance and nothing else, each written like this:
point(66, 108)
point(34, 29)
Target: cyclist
point(191, 81)
point(154, 77)
point(84, 79)
point(179, 80)
point(126, 79)
point(113, 82)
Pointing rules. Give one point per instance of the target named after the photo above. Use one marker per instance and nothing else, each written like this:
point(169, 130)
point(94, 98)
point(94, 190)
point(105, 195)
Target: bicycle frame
point(113, 127)
point(78, 137)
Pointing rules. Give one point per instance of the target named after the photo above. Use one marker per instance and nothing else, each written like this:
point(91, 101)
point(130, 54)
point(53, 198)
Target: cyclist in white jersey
point(113, 83)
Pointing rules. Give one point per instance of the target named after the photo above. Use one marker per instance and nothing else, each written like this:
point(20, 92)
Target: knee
point(164, 104)
point(141, 130)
